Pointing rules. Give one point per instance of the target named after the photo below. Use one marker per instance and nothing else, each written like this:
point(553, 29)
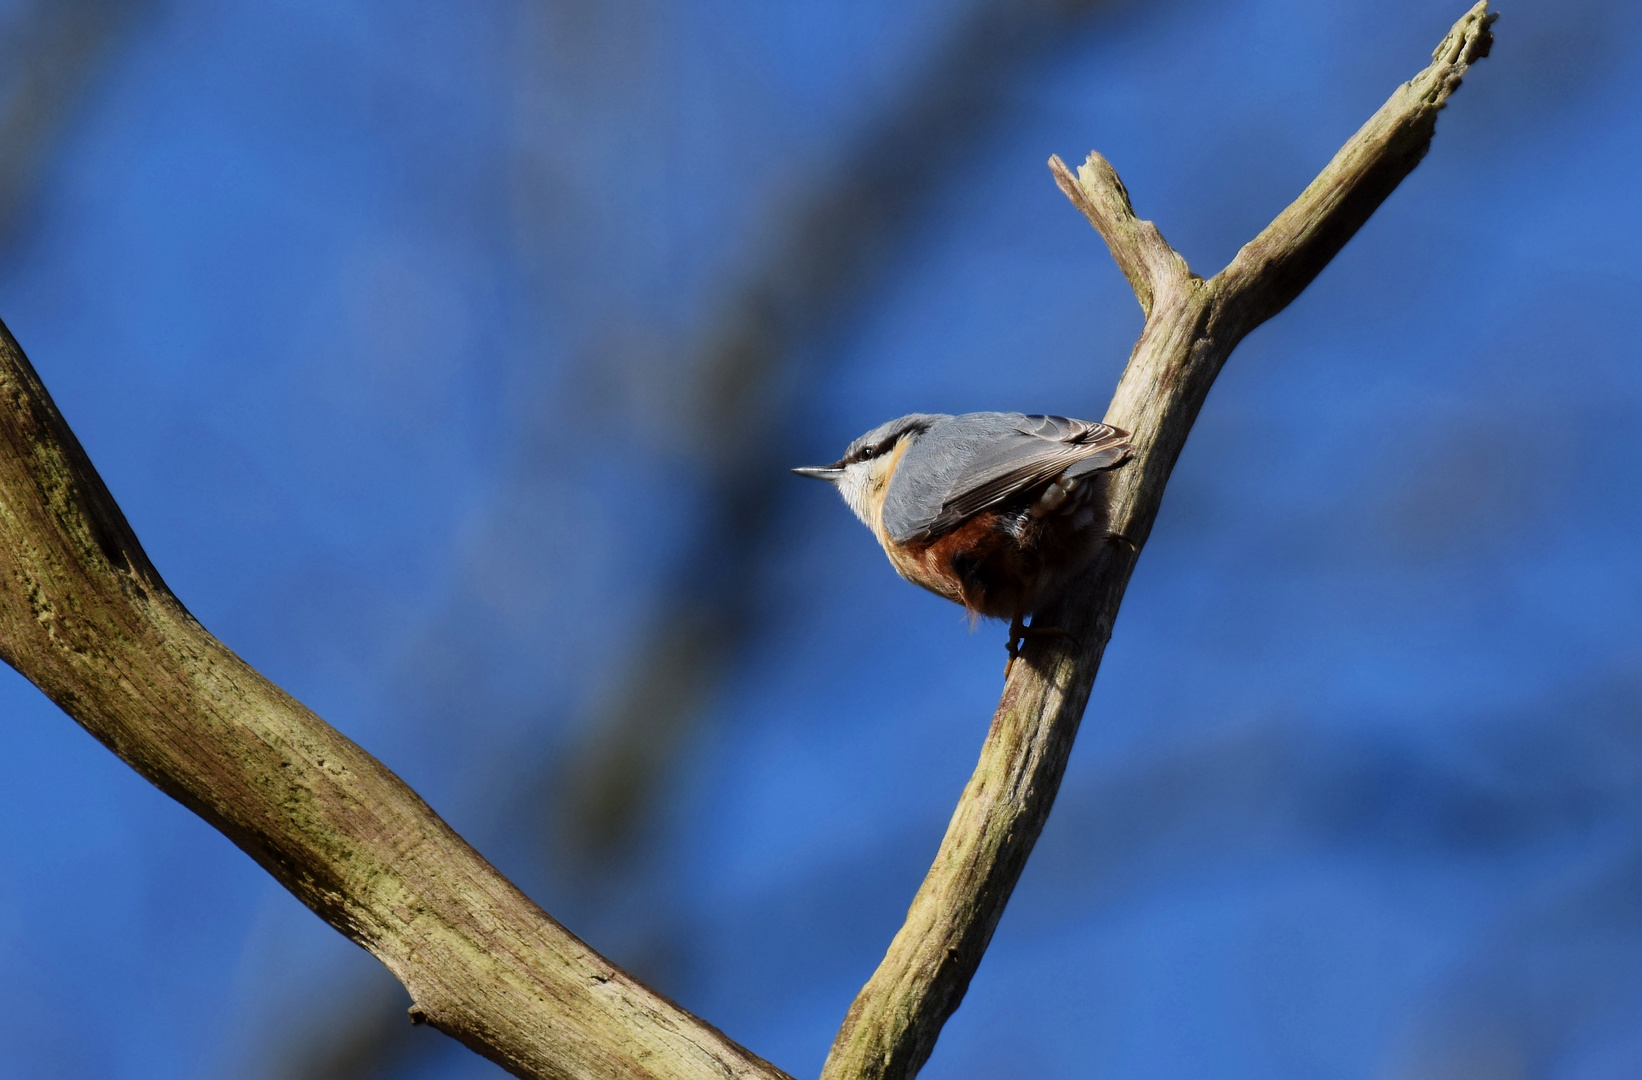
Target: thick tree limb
point(87, 619)
point(1191, 328)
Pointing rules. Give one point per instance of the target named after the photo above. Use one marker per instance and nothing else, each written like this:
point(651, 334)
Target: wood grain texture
point(1191, 328)
point(87, 619)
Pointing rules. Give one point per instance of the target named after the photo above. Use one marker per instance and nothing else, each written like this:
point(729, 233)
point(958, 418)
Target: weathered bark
point(85, 616)
point(1191, 327)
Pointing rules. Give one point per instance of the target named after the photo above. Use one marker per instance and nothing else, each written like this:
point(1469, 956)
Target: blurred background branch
point(753, 368)
point(54, 50)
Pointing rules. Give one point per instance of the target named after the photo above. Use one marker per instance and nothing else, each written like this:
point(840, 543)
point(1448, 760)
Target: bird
point(997, 511)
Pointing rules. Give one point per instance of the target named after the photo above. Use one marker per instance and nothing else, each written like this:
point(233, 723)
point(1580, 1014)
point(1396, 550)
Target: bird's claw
point(1019, 632)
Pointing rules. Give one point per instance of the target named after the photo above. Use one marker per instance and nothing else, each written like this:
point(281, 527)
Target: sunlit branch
point(1191, 328)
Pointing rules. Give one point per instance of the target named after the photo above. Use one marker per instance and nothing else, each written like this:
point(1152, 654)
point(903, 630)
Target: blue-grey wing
point(1032, 452)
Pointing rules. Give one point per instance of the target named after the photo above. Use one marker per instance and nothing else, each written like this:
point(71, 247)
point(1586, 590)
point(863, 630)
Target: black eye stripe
point(866, 453)
point(909, 425)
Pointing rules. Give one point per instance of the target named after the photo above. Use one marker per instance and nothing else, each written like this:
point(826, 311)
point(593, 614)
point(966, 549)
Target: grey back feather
point(958, 466)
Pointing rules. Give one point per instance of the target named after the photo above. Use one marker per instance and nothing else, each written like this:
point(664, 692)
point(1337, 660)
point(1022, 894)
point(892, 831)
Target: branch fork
point(86, 617)
point(1192, 325)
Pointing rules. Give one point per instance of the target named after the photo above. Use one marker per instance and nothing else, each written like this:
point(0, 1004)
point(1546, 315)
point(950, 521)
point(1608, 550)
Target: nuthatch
point(995, 511)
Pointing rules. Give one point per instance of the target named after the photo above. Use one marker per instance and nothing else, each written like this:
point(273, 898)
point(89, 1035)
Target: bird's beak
point(820, 472)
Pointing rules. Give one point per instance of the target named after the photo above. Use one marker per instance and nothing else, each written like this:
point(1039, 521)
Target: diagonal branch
point(87, 619)
point(1191, 328)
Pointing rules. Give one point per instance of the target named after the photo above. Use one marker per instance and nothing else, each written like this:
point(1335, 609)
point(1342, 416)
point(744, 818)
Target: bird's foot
point(1019, 632)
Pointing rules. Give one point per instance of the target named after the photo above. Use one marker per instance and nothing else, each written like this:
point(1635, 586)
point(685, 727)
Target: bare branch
point(1274, 267)
point(1191, 328)
point(87, 619)
point(1139, 250)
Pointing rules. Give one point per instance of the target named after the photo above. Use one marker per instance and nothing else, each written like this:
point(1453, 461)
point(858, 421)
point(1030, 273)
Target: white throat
point(862, 487)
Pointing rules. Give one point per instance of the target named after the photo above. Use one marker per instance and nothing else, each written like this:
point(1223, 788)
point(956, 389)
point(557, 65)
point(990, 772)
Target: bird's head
point(862, 475)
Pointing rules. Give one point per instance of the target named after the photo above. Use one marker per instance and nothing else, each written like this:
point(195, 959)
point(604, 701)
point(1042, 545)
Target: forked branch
point(1191, 328)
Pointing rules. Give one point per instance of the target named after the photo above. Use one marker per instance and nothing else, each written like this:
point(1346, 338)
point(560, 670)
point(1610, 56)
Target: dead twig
point(1191, 327)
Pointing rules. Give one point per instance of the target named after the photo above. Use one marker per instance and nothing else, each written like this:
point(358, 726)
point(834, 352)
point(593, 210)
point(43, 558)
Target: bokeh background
point(448, 359)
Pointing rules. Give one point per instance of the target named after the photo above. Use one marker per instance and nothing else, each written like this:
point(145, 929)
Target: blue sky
point(396, 329)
